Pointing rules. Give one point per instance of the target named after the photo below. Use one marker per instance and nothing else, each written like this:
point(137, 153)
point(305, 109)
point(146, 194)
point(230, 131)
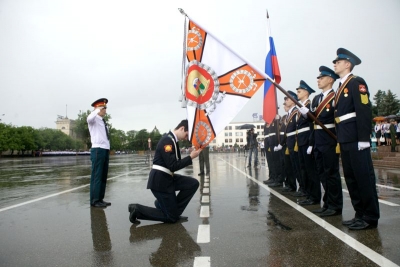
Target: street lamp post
point(149, 141)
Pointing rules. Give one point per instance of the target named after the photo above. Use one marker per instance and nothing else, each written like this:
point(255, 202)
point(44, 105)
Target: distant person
point(392, 129)
point(353, 118)
point(252, 144)
point(378, 132)
point(99, 153)
point(204, 159)
point(163, 182)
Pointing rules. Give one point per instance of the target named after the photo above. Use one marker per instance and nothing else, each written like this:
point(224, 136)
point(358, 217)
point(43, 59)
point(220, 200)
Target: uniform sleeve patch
point(364, 99)
point(168, 148)
point(362, 88)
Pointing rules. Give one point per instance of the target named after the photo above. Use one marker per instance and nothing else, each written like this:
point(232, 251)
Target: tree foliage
point(385, 104)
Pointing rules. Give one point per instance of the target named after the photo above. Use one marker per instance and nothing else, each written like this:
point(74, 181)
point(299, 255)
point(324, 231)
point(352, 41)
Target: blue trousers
point(255, 151)
point(98, 178)
point(171, 205)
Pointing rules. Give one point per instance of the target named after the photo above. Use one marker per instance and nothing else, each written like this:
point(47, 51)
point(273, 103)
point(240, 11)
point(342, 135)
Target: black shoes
point(99, 204)
point(329, 212)
point(157, 205)
point(248, 166)
point(288, 189)
point(276, 185)
point(183, 218)
point(321, 210)
point(201, 173)
point(360, 224)
point(269, 181)
point(349, 222)
point(133, 214)
point(299, 194)
point(105, 202)
point(307, 202)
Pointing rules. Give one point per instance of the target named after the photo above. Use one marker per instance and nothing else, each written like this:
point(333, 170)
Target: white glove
point(363, 145)
point(304, 110)
point(309, 149)
point(275, 148)
point(98, 110)
point(279, 147)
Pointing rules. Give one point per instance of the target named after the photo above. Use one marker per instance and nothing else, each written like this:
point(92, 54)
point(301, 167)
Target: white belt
point(345, 117)
point(302, 130)
point(291, 133)
point(163, 169)
point(266, 136)
point(329, 126)
point(271, 134)
point(281, 133)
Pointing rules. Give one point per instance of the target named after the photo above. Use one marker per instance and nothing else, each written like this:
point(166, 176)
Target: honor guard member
point(163, 182)
point(99, 152)
point(290, 133)
point(273, 157)
point(325, 154)
point(353, 118)
point(305, 144)
point(286, 165)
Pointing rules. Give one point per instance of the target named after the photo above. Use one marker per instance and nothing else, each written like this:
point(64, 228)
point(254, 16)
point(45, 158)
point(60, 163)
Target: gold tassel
point(296, 148)
point(337, 148)
point(287, 151)
point(269, 149)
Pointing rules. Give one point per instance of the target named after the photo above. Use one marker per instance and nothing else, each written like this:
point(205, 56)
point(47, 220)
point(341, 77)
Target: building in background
point(233, 136)
point(66, 125)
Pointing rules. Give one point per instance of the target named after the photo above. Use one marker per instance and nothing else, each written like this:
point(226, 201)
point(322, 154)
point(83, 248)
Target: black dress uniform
point(273, 156)
point(353, 117)
point(286, 165)
point(326, 158)
point(310, 182)
point(291, 125)
point(163, 183)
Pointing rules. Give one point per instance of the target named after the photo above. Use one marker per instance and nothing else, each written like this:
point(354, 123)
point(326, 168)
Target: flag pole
point(262, 73)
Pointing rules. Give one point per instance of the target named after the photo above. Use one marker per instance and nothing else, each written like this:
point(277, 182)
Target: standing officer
point(274, 139)
point(326, 158)
point(204, 159)
point(163, 182)
point(353, 117)
point(290, 132)
point(99, 153)
point(305, 143)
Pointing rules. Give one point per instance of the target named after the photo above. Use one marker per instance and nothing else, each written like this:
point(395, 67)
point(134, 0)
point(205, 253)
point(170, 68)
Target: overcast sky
point(56, 53)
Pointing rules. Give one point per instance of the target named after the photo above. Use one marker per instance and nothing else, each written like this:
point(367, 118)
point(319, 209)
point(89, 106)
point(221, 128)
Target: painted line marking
point(203, 234)
point(380, 200)
point(206, 190)
point(205, 199)
point(350, 241)
point(205, 212)
point(384, 186)
point(60, 193)
point(202, 262)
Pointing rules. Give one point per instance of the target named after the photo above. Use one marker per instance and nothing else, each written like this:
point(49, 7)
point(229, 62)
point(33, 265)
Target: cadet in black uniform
point(291, 140)
point(163, 182)
point(305, 143)
point(273, 160)
point(326, 158)
point(353, 117)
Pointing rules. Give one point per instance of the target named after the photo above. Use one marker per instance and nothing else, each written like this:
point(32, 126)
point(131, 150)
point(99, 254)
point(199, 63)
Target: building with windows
point(232, 134)
point(65, 125)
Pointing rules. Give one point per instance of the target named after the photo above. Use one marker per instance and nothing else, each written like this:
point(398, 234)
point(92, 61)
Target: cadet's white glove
point(304, 110)
point(309, 149)
point(363, 145)
point(278, 147)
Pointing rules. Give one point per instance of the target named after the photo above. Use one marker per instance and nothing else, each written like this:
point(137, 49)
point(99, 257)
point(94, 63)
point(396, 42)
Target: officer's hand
point(279, 147)
point(275, 148)
point(363, 145)
point(304, 110)
point(309, 149)
point(277, 117)
point(195, 153)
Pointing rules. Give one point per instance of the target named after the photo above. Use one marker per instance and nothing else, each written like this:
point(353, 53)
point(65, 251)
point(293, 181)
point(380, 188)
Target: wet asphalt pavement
point(234, 219)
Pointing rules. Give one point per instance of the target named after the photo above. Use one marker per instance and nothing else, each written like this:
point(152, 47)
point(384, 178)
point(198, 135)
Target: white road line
point(205, 199)
point(384, 186)
point(203, 234)
point(380, 200)
point(60, 193)
point(205, 212)
point(202, 262)
point(350, 241)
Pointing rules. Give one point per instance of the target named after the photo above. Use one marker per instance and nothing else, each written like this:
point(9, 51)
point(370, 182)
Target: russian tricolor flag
point(272, 70)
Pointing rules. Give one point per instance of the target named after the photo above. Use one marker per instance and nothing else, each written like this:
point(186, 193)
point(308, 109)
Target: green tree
point(5, 134)
point(26, 137)
point(118, 140)
point(390, 104)
point(140, 142)
point(378, 99)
